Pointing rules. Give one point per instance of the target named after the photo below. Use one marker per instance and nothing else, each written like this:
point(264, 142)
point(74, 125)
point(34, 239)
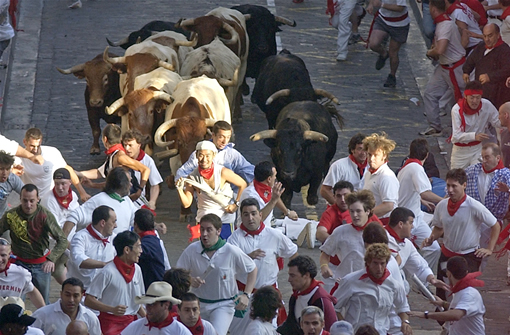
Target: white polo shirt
point(273, 243)
point(462, 231)
point(140, 327)
point(109, 287)
point(413, 181)
point(125, 211)
point(17, 282)
point(384, 185)
point(52, 320)
point(344, 169)
point(469, 300)
point(83, 247)
point(42, 175)
point(250, 192)
point(219, 272)
point(60, 213)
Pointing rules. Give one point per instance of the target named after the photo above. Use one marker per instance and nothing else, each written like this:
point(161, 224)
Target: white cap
point(206, 145)
point(341, 328)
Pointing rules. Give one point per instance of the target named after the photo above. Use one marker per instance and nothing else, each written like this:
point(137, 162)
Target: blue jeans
point(40, 279)
point(428, 24)
point(438, 188)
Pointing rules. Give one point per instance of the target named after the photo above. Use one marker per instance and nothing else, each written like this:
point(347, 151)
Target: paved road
point(55, 36)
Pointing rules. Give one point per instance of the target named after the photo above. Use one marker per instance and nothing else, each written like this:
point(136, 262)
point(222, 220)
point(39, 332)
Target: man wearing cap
point(341, 328)
point(31, 330)
point(54, 318)
point(8, 181)
point(158, 301)
point(31, 226)
point(60, 201)
point(13, 320)
point(212, 185)
point(91, 248)
point(189, 315)
point(471, 117)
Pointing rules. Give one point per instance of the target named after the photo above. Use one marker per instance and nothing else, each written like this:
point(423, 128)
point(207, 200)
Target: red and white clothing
point(384, 185)
point(461, 12)
point(143, 327)
point(345, 169)
point(206, 327)
point(59, 212)
point(154, 177)
point(251, 192)
point(393, 16)
point(85, 246)
point(259, 327)
point(52, 320)
point(15, 281)
point(469, 300)
point(464, 133)
point(462, 230)
point(369, 303)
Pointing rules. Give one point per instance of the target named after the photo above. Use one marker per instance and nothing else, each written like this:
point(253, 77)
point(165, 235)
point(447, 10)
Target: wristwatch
point(238, 204)
point(407, 321)
point(248, 295)
point(426, 314)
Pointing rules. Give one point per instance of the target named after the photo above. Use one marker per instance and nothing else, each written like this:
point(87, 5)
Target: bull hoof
point(170, 181)
point(95, 151)
point(186, 218)
point(312, 199)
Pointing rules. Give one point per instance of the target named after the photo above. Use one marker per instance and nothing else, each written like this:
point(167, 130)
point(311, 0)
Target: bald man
point(489, 59)
point(77, 327)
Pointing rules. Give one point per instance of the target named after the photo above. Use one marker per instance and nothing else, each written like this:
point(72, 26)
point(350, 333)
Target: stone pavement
point(54, 36)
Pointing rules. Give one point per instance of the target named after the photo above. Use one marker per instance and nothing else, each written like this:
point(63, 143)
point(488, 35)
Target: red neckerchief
point(394, 234)
point(441, 18)
point(412, 160)
point(197, 329)
point(263, 190)
point(94, 235)
point(147, 233)
point(468, 281)
point(127, 271)
point(506, 12)
point(165, 323)
point(114, 148)
point(361, 167)
point(141, 155)
point(360, 228)
point(378, 281)
point(454, 6)
point(454, 206)
point(465, 109)
point(497, 167)
point(498, 43)
point(252, 232)
point(6, 267)
point(310, 288)
point(206, 173)
point(64, 201)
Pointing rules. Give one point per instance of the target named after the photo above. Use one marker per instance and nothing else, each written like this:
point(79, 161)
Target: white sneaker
point(75, 5)
point(303, 234)
point(310, 236)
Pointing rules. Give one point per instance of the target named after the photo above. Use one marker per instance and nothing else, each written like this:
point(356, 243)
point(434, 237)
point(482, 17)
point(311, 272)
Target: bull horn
point(113, 107)
point(184, 23)
point(230, 83)
point(166, 65)
point(112, 60)
point(326, 94)
point(278, 94)
point(247, 17)
point(210, 122)
point(161, 131)
point(263, 134)
point(119, 43)
point(163, 96)
point(167, 153)
point(191, 43)
point(314, 136)
point(232, 32)
point(74, 69)
point(284, 20)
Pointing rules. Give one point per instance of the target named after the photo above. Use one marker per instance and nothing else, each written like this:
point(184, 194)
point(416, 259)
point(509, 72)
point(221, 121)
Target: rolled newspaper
point(424, 290)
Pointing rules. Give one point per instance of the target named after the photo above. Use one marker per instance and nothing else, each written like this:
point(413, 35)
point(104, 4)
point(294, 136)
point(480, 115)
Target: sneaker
point(381, 61)
point(391, 81)
point(310, 236)
point(75, 5)
point(431, 131)
point(341, 58)
point(355, 38)
point(303, 234)
point(442, 112)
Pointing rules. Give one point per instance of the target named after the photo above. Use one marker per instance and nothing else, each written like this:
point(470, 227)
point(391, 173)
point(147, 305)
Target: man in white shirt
point(463, 17)
point(264, 245)
point(189, 315)
point(351, 169)
point(132, 141)
point(14, 149)
point(464, 315)
point(91, 248)
point(53, 319)
point(380, 179)
point(458, 220)
point(415, 188)
point(159, 302)
point(8, 181)
point(113, 290)
point(214, 266)
point(42, 175)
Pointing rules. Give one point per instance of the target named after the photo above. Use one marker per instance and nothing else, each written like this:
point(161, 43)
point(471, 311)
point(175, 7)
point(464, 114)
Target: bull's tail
point(331, 108)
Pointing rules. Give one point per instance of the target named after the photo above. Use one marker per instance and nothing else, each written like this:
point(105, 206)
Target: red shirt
point(477, 7)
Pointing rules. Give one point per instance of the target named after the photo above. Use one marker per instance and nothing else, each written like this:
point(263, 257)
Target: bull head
point(120, 102)
point(122, 60)
point(307, 135)
point(169, 124)
point(190, 25)
point(284, 20)
point(76, 70)
point(286, 93)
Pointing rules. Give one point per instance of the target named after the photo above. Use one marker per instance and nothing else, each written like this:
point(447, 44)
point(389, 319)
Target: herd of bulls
point(175, 80)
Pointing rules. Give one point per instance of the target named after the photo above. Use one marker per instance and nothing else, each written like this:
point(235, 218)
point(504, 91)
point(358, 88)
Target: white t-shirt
point(42, 175)
point(494, 12)
point(413, 182)
point(109, 287)
point(7, 145)
point(259, 327)
point(465, 15)
point(60, 213)
point(448, 30)
point(6, 30)
point(34, 331)
point(250, 192)
point(83, 247)
point(393, 14)
point(462, 231)
point(476, 123)
point(469, 300)
point(154, 177)
point(384, 185)
point(273, 243)
point(344, 169)
point(219, 272)
point(52, 320)
point(17, 282)
point(140, 327)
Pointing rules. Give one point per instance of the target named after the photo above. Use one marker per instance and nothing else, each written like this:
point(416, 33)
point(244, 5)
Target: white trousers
point(330, 282)
point(462, 157)
point(219, 314)
point(341, 21)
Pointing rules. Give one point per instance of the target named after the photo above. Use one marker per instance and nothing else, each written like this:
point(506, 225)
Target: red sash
point(506, 12)
point(113, 324)
point(448, 253)
point(39, 260)
point(451, 73)
point(468, 281)
point(394, 19)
